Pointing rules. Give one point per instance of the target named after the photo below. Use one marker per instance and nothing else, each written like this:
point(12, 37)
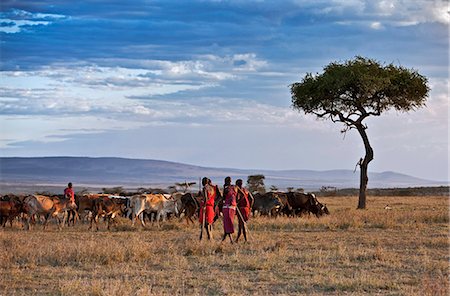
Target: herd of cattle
point(91, 207)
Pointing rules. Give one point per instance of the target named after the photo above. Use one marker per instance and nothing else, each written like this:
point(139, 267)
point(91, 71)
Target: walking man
point(69, 193)
point(229, 208)
point(244, 206)
point(206, 216)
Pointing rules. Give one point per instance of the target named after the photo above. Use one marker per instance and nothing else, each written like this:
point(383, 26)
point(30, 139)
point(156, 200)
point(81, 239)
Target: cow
point(157, 204)
point(190, 206)
point(85, 203)
point(285, 208)
point(47, 206)
point(108, 208)
point(9, 210)
point(137, 206)
point(266, 204)
point(306, 203)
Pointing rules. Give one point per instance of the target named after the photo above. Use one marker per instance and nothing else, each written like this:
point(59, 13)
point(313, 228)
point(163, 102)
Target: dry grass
point(403, 251)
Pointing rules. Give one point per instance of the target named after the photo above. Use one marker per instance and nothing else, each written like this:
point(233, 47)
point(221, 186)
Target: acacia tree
point(255, 183)
point(350, 92)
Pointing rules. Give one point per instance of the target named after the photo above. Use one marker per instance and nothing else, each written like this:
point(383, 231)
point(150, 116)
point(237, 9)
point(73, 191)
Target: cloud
point(386, 12)
point(16, 20)
point(88, 88)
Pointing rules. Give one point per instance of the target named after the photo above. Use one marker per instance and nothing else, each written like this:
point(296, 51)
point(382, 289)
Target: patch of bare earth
point(401, 251)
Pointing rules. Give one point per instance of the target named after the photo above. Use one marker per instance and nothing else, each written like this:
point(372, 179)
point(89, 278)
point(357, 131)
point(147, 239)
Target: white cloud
point(16, 20)
point(376, 25)
point(393, 12)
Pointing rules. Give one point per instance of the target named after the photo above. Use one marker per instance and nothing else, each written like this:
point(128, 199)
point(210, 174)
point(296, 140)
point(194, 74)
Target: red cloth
point(68, 192)
point(209, 214)
point(228, 217)
point(245, 213)
point(210, 196)
point(243, 198)
point(230, 196)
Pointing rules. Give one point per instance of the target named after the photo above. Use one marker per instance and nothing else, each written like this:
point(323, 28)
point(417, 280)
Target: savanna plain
point(402, 250)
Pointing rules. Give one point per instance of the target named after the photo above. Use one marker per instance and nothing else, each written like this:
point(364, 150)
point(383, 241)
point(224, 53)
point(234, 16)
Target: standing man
point(206, 216)
point(229, 208)
point(244, 203)
point(68, 193)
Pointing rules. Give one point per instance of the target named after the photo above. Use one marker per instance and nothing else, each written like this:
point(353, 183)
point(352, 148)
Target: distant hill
point(110, 171)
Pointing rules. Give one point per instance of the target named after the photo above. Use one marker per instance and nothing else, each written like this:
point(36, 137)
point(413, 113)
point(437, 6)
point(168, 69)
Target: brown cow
point(49, 207)
point(85, 203)
point(108, 208)
point(9, 210)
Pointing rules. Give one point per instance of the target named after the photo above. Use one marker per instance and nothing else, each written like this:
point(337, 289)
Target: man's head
point(69, 185)
point(239, 183)
point(227, 180)
point(204, 181)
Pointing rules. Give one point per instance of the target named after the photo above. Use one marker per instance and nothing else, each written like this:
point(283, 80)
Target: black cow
point(302, 203)
point(267, 204)
point(190, 206)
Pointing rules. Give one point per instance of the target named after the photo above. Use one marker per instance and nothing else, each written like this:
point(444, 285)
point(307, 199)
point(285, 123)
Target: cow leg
point(94, 218)
point(58, 221)
point(76, 218)
point(46, 220)
point(11, 220)
point(90, 224)
point(96, 221)
point(158, 216)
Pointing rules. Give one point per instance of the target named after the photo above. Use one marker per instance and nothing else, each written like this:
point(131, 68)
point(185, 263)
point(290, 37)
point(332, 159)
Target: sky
point(207, 82)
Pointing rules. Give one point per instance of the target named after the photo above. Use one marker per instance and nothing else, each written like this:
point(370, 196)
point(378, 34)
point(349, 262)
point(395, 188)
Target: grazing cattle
point(137, 206)
point(190, 206)
point(153, 203)
point(85, 203)
point(9, 210)
point(306, 203)
point(285, 208)
point(46, 206)
point(108, 208)
point(266, 204)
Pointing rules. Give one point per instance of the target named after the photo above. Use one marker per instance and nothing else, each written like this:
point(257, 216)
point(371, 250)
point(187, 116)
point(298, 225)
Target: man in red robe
point(244, 202)
point(68, 193)
point(229, 208)
point(206, 216)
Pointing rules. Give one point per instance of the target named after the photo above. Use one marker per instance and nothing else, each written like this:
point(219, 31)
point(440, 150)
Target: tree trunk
point(364, 166)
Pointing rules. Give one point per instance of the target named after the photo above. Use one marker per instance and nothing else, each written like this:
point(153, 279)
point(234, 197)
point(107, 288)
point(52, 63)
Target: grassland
point(402, 251)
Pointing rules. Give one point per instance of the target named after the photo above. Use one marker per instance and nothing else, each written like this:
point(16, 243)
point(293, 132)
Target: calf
point(108, 208)
point(9, 210)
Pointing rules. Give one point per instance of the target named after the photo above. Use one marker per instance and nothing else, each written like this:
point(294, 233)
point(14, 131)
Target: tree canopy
point(351, 91)
point(255, 183)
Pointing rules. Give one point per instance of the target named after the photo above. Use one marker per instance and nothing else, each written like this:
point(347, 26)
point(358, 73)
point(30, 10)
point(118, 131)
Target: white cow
point(152, 203)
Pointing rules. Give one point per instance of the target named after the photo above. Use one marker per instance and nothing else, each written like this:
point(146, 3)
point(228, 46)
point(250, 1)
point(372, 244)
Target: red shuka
point(243, 203)
point(229, 209)
point(209, 209)
point(69, 192)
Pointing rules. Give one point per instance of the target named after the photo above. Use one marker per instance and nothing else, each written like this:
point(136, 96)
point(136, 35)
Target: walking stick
point(240, 214)
point(204, 214)
point(243, 221)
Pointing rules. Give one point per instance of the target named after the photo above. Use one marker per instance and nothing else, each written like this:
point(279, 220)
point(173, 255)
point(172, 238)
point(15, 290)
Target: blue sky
point(207, 82)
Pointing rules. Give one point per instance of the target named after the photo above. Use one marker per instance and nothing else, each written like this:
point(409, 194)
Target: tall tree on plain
point(255, 183)
point(351, 91)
